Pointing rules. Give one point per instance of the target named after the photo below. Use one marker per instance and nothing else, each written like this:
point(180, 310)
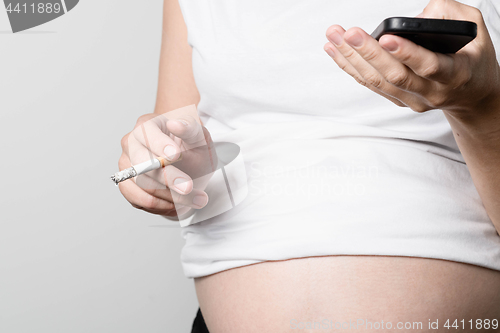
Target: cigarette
point(139, 169)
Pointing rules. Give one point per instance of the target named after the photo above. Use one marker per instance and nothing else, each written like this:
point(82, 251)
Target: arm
point(465, 85)
point(176, 85)
point(169, 191)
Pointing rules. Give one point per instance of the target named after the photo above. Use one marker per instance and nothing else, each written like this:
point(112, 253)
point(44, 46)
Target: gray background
point(74, 255)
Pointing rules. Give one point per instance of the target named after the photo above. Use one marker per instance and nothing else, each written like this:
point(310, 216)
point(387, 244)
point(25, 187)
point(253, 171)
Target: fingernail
point(355, 40)
point(170, 152)
point(335, 38)
point(391, 46)
point(200, 200)
point(330, 52)
point(183, 122)
point(181, 184)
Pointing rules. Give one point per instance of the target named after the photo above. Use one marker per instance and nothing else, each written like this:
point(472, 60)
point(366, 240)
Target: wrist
point(481, 121)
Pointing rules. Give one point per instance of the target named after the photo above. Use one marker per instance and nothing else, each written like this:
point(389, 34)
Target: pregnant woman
point(372, 206)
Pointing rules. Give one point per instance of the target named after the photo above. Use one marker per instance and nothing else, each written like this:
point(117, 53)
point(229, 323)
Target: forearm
point(479, 141)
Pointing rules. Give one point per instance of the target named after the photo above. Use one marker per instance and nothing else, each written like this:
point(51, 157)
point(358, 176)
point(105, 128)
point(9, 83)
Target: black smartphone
point(443, 36)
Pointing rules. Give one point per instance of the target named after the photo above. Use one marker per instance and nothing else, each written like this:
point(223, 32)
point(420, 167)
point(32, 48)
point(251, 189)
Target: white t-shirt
point(332, 168)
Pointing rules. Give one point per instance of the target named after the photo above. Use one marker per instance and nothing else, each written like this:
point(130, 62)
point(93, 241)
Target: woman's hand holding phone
point(464, 84)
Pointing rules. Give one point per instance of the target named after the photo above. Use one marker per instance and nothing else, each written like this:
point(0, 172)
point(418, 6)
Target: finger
point(165, 203)
point(392, 70)
point(152, 135)
point(424, 63)
point(139, 198)
point(349, 69)
point(188, 130)
point(371, 77)
point(138, 153)
point(173, 178)
point(196, 199)
point(176, 180)
point(124, 161)
point(169, 176)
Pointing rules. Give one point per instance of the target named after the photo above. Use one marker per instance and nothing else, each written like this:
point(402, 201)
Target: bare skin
point(277, 296)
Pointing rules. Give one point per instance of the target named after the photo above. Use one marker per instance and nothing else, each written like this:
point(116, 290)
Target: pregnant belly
point(361, 293)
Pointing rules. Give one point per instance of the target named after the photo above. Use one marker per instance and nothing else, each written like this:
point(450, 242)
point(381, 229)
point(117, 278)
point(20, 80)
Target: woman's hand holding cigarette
point(178, 188)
